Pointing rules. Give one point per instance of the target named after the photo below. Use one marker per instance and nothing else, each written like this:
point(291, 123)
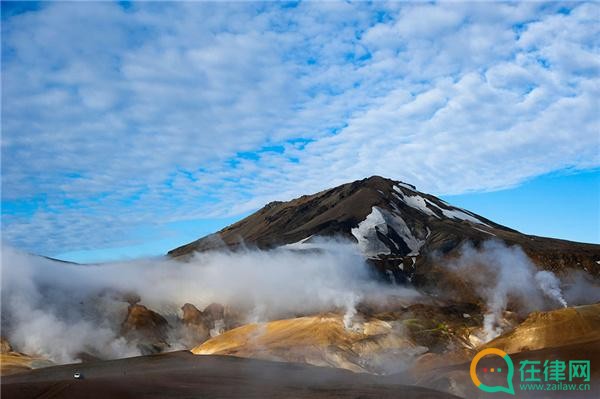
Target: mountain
point(421, 335)
point(399, 229)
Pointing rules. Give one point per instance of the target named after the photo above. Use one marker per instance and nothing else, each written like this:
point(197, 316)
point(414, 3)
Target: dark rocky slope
point(401, 230)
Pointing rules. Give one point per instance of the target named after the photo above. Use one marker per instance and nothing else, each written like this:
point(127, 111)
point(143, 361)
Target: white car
point(77, 375)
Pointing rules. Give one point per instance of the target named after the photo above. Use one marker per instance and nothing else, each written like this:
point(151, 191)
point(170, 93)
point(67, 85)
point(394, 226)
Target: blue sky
point(132, 128)
point(560, 205)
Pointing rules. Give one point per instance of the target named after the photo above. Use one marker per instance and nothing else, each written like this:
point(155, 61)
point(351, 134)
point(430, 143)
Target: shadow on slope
point(181, 374)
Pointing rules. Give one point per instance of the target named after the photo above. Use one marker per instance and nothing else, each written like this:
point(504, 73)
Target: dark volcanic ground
point(184, 375)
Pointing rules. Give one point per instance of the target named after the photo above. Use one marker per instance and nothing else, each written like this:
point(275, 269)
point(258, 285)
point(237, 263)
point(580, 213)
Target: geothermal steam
point(550, 285)
point(500, 273)
point(61, 310)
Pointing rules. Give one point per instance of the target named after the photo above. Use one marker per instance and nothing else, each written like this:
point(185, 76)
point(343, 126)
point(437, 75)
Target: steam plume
point(500, 273)
point(61, 310)
point(550, 284)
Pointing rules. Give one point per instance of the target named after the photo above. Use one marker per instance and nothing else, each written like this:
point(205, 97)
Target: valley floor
point(183, 375)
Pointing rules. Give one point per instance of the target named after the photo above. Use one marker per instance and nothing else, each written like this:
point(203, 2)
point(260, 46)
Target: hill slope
point(394, 225)
point(541, 330)
point(181, 374)
point(321, 340)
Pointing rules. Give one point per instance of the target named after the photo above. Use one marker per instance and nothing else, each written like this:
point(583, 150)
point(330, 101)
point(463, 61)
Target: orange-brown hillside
point(321, 340)
point(552, 329)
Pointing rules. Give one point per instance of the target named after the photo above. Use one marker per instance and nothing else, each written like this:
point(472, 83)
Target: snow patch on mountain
point(408, 186)
point(433, 204)
point(366, 234)
point(419, 203)
point(459, 214)
point(396, 222)
point(484, 231)
point(302, 244)
point(381, 221)
point(414, 201)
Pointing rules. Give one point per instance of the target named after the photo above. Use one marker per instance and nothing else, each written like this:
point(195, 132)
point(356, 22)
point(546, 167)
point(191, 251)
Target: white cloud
point(115, 119)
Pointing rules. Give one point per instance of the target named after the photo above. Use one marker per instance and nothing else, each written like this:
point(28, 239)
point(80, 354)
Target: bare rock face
point(222, 318)
point(197, 327)
point(191, 314)
point(214, 320)
point(214, 311)
point(146, 327)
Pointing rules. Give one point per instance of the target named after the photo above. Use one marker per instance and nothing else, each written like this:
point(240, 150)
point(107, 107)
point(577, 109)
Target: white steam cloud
point(60, 310)
point(550, 284)
point(64, 311)
point(499, 274)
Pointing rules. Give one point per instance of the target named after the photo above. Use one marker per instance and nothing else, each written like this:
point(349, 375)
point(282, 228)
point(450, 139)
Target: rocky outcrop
point(147, 328)
point(214, 320)
point(197, 327)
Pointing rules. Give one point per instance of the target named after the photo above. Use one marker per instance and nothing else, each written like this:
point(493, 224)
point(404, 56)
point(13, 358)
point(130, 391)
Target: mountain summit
point(395, 226)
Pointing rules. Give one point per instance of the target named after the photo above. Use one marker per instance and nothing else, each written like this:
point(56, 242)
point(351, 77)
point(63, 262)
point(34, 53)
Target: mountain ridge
point(394, 225)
